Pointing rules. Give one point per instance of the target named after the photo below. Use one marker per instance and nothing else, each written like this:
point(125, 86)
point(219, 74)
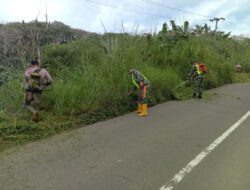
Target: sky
point(132, 16)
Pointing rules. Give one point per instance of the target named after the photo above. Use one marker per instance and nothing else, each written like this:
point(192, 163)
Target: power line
point(173, 8)
point(126, 9)
point(232, 24)
point(187, 12)
point(149, 14)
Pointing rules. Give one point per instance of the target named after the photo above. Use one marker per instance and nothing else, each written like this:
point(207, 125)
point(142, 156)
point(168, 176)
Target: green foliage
point(163, 83)
point(18, 40)
point(11, 95)
point(91, 77)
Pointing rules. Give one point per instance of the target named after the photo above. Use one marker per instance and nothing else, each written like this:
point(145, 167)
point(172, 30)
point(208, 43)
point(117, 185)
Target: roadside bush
point(91, 79)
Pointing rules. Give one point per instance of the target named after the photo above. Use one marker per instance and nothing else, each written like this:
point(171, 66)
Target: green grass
point(241, 77)
point(91, 80)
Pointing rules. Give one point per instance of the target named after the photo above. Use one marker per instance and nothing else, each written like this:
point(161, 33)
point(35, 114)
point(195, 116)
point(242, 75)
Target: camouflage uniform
point(31, 95)
point(142, 83)
point(197, 79)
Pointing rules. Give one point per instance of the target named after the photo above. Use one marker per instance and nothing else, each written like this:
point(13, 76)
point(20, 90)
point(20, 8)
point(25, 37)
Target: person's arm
point(142, 90)
point(26, 80)
point(192, 72)
point(48, 78)
point(135, 85)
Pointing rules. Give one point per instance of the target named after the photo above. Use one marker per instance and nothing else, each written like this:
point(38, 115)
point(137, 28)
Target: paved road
point(132, 153)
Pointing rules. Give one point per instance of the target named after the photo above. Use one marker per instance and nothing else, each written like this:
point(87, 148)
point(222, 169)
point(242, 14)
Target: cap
point(194, 61)
point(34, 62)
point(131, 71)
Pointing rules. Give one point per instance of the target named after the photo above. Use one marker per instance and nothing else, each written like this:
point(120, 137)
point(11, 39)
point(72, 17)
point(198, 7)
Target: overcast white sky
point(126, 15)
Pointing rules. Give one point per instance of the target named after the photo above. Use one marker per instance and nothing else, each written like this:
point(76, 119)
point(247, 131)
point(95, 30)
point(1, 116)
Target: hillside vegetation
point(18, 42)
point(91, 76)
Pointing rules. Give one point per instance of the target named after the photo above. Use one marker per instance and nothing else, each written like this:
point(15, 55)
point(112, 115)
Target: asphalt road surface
point(182, 145)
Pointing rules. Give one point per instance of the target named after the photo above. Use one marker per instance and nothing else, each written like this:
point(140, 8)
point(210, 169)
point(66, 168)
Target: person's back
point(196, 75)
point(44, 76)
point(35, 80)
point(138, 77)
point(142, 83)
point(238, 68)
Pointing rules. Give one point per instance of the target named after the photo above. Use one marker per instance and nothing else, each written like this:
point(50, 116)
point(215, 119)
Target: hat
point(131, 71)
point(194, 61)
point(34, 62)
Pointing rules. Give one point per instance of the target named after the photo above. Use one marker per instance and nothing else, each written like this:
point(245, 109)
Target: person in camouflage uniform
point(142, 84)
point(35, 80)
point(197, 79)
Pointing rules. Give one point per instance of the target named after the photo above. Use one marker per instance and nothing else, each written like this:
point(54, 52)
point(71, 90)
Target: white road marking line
point(188, 168)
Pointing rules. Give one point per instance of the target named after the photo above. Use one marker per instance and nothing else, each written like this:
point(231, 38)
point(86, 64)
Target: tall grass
point(91, 79)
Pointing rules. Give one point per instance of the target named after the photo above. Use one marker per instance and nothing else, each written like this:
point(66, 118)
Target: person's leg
point(194, 84)
point(37, 97)
point(139, 109)
point(28, 99)
point(200, 86)
point(144, 102)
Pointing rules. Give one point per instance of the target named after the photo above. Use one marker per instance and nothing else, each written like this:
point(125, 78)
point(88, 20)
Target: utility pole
point(216, 19)
point(46, 15)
